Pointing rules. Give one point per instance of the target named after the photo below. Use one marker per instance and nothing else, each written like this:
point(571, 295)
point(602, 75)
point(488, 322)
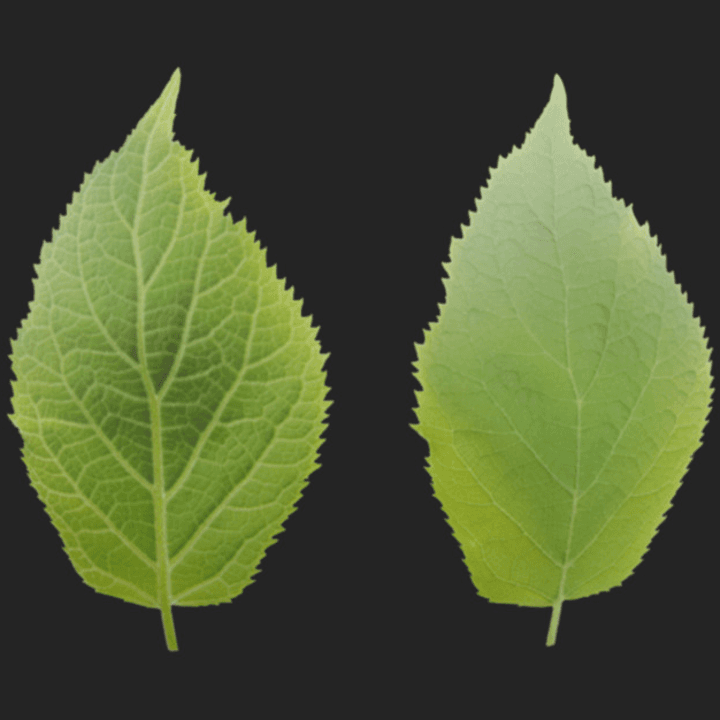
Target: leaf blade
point(565, 385)
point(169, 391)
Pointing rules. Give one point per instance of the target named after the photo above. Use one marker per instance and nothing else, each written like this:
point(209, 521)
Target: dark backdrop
point(355, 147)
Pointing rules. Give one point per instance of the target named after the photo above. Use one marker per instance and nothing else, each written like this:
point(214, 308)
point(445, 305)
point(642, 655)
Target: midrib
point(557, 605)
point(158, 481)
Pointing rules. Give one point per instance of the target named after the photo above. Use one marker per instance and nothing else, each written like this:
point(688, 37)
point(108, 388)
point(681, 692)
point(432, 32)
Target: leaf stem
point(169, 626)
point(554, 622)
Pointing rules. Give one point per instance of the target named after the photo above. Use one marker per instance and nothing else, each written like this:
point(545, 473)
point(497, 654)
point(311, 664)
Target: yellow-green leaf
point(566, 383)
point(169, 392)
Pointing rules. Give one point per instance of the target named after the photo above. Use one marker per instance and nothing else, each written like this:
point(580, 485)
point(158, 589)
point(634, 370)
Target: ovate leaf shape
point(566, 383)
point(169, 392)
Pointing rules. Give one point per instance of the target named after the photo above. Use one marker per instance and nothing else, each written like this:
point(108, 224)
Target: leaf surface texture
point(566, 383)
point(169, 392)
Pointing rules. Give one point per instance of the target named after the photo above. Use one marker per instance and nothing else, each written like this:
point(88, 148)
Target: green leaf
point(169, 392)
point(566, 383)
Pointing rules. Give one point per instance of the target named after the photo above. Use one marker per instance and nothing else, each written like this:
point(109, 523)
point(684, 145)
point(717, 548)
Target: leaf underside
point(169, 392)
point(566, 383)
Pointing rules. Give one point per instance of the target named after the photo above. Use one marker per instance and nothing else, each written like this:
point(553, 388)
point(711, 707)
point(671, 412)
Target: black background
point(355, 145)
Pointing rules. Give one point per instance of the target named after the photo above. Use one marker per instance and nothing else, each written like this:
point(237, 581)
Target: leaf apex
point(162, 111)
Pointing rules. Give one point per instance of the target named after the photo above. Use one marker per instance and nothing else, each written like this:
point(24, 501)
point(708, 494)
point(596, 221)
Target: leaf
point(169, 392)
point(566, 383)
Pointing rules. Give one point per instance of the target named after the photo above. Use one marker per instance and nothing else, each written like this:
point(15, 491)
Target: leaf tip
point(558, 95)
point(170, 93)
point(162, 111)
point(558, 87)
point(173, 84)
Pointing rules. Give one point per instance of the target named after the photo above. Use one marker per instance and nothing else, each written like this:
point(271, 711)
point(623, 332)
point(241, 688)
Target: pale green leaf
point(566, 383)
point(169, 392)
